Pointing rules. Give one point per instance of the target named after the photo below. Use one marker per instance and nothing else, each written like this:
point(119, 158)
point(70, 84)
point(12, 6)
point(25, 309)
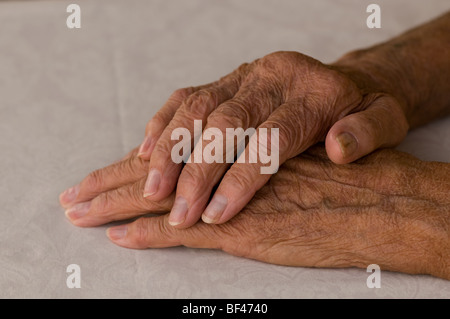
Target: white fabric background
point(75, 100)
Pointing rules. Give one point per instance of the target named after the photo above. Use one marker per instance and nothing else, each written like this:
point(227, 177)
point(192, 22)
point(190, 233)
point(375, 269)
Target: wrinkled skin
point(288, 91)
point(366, 100)
point(389, 208)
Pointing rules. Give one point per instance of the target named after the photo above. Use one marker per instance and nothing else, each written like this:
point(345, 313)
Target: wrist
point(414, 68)
point(373, 72)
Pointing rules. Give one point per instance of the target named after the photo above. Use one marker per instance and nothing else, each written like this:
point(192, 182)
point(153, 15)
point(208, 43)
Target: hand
point(389, 208)
point(306, 100)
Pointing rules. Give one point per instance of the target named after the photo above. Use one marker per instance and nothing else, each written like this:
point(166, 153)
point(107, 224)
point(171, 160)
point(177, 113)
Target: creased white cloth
point(75, 100)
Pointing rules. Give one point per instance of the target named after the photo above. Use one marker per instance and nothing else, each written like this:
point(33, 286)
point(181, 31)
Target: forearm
point(413, 67)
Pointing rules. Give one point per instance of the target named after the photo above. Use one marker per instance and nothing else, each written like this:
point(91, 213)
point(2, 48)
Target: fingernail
point(70, 194)
point(215, 209)
point(145, 146)
point(348, 144)
point(179, 211)
point(152, 183)
point(117, 232)
point(78, 211)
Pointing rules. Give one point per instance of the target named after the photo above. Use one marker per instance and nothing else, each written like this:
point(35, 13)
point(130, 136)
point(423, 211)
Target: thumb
point(382, 124)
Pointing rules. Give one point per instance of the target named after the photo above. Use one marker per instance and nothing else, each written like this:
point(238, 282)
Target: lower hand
point(388, 208)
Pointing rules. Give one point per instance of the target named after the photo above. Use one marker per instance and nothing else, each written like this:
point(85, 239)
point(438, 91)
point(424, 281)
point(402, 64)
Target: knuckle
point(181, 94)
point(133, 166)
point(373, 125)
point(288, 138)
point(163, 150)
point(151, 231)
point(94, 181)
point(243, 68)
point(239, 179)
point(335, 78)
point(231, 114)
point(134, 196)
point(102, 203)
point(282, 56)
point(138, 202)
point(193, 177)
point(340, 87)
point(158, 120)
point(200, 103)
point(131, 154)
point(163, 116)
point(237, 75)
point(396, 120)
point(162, 228)
point(286, 60)
point(141, 232)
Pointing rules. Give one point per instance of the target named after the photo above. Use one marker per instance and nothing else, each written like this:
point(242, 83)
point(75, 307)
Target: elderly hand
point(364, 101)
point(388, 208)
point(296, 94)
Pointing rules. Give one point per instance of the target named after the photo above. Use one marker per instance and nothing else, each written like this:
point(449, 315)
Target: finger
point(288, 131)
point(155, 232)
point(276, 140)
point(156, 126)
point(117, 204)
point(101, 180)
point(162, 118)
point(382, 124)
point(252, 170)
point(184, 129)
point(233, 120)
